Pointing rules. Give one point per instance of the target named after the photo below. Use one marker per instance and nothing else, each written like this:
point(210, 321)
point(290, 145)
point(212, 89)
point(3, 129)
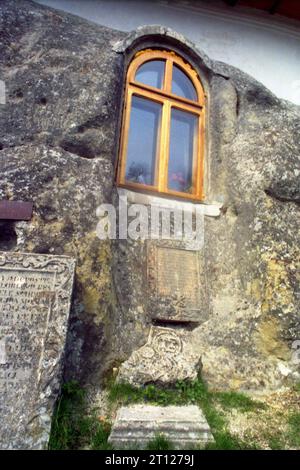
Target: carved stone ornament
point(166, 358)
point(35, 298)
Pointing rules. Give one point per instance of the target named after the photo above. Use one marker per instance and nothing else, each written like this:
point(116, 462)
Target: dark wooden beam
point(15, 210)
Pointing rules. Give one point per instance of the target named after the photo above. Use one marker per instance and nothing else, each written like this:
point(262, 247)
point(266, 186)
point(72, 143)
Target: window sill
point(212, 209)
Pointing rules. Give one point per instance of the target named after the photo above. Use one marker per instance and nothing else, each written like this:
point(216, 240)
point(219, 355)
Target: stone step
point(136, 425)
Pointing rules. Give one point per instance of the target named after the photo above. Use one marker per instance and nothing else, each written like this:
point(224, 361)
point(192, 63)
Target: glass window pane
point(182, 85)
point(151, 73)
point(182, 149)
point(143, 141)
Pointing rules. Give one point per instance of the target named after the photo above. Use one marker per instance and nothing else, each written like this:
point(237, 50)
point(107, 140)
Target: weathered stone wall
point(59, 135)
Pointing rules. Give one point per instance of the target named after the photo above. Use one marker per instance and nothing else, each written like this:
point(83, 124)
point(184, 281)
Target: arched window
point(162, 138)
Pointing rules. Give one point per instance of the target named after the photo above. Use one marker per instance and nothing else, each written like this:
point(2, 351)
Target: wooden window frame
point(168, 100)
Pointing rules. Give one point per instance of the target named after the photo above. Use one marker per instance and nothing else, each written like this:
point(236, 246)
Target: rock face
point(59, 134)
point(183, 426)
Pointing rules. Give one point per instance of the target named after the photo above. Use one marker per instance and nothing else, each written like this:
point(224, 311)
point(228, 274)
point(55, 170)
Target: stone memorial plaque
point(178, 273)
point(177, 284)
point(35, 297)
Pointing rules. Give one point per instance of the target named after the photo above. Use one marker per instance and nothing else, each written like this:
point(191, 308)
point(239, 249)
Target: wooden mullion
point(151, 95)
point(168, 76)
point(164, 149)
point(141, 88)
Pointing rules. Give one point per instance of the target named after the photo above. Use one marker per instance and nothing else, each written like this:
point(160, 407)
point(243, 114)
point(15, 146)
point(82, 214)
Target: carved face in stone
point(167, 343)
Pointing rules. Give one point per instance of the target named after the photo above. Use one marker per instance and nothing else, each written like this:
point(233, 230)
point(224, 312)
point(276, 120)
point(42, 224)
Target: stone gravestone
point(35, 297)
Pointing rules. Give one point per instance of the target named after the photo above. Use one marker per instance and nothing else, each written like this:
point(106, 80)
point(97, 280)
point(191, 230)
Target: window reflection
point(151, 73)
point(143, 141)
point(182, 148)
point(182, 85)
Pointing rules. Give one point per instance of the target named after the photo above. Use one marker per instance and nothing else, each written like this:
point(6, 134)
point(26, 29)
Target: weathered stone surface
point(166, 358)
point(58, 136)
point(177, 290)
point(184, 426)
point(35, 298)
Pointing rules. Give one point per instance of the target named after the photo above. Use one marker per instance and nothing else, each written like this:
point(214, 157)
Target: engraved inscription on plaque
point(25, 299)
point(176, 282)
point(178, 273)
point(35, 295)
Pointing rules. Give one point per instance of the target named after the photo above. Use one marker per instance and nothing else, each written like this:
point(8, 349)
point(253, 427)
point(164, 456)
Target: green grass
point(127, 394)
point(276, 442)
point(100, 437)
point(182, 393)
point(293, 434)
point(226, 441)
point(296, 387)
point(71, 427)
point(289, 437)
point(239, 401)
point(160, 443)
